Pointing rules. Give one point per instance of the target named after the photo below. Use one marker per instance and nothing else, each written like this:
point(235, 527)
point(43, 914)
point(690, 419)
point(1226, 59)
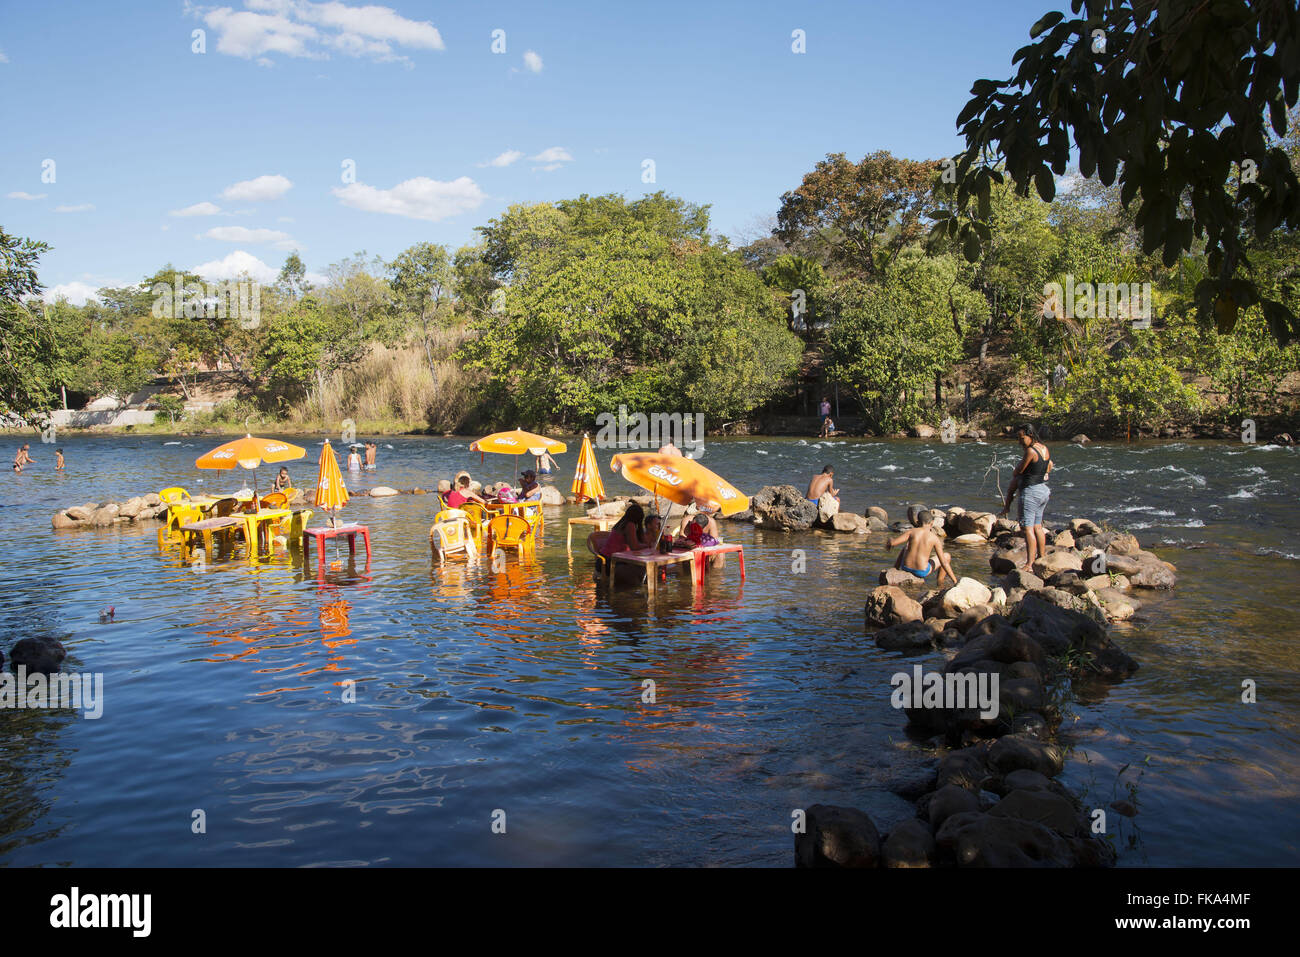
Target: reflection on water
point(382, 713)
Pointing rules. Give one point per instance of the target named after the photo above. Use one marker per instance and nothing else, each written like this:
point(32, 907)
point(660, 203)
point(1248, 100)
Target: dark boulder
point(38, 654)
point(783, 506)
point(837, 837)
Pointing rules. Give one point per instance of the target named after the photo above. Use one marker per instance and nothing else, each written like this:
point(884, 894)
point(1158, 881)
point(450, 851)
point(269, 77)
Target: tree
point(793, 275)
point(421, 285)
point(293, 277)
point(863, 214)
point(30, 362)
point(1167, 99)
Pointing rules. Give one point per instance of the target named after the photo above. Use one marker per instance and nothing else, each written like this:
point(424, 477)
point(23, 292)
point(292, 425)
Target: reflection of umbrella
point(249, 453)
point(680, 480)
point(331, 493)
point(516, 443)
point(586, 476)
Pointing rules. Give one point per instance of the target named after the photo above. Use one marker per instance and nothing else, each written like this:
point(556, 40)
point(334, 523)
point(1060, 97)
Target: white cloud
point(242, 234)
point(19, 194)
point(198, 209)
point(419, 198)
point(556, 154)
point(3, 58)
point(76, 292)
point(83, 208)
point(235, 266)
point(504, 159)
point(533, 61)
point(255, 190)
point(298, 28)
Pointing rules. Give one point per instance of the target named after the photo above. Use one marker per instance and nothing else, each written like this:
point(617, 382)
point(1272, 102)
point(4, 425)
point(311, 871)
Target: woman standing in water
point(1031, 479)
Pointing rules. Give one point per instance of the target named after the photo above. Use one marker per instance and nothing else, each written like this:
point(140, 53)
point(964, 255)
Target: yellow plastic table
point(600, 524)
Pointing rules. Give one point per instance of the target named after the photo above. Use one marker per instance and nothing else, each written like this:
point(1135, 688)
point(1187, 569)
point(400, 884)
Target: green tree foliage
point(421, 287)
point(888, 339)
point(305, 345)
point(30, 361)
point(1179, 103)
point(862, 215)
point(610, 303)
point(789, 273)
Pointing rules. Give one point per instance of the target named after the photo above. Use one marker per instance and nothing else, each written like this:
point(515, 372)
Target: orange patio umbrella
point(249, 452)
point(331, 493)
point(586, 475)
point(680, 480)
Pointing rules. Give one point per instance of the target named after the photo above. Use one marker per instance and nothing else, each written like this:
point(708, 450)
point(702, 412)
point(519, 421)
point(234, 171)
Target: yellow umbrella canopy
point(517, 442)
point(249, 452)
point(680, 480)
point(586, 475)
point(331, 493)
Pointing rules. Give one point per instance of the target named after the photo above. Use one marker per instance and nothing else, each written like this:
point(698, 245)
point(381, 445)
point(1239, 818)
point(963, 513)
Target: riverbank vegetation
point(1056, 308)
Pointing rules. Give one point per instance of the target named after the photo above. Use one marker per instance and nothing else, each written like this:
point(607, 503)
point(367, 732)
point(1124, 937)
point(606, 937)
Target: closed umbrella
point(331, 493)
point(587, 483)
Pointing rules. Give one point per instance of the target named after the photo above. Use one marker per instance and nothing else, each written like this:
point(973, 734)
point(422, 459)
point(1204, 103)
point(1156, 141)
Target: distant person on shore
point(824, 410)
point(1030, 479)
point(545, 464)
point(828, 427)
point(922, 549)
point(462, 493)
point(23, 457)
point(821, 484)
point(58, 461)
point(282, 480)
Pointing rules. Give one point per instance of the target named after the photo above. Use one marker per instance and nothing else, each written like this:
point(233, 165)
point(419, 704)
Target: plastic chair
point(174, 494)
point(225, 507)
point(511, 531)
point(533, 512)
point(594, 543)
point(275, 500)
point(179, 513)
point(451, 536)
point(478, 519)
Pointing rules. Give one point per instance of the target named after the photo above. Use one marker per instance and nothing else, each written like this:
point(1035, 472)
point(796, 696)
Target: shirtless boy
point(821, 484)
point(923, 551)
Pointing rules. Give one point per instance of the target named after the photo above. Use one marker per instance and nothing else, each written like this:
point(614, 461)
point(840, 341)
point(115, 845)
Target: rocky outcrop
point(837, 837)
point(889, 605)
point(784, 507)
point(42, 655)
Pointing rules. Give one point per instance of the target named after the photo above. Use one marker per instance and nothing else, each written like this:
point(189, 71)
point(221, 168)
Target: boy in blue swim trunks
point(821, 484)
point(922, 549)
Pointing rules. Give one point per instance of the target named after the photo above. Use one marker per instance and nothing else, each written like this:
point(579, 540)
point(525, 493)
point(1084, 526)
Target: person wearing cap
point(529, 490)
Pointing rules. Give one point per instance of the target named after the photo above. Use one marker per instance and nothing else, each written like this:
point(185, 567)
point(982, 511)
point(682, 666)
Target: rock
point(1063, 540)
point(1019, 578)
point(152, 500)
point(1080, 439)
point(875, 524)
point(104, 516)
point(827, 508)
point(1025, 780)
point(1153, 574)
point(1085, 604)
point(889, 605)
point(1042, 807)
point(837, 837)
point(1005, 645)
point(1122, 564)
point(972, 616)
point(131, 507)
point(382, 491)
point(444, 486)
point(1116, 543)
point(976, 523)
point(964, 768)
point(607, 510)
point(63, 520)
point(875, 511)
point(1081, 526)
point(783, 506)
point(898, 578)
point(970, 539)
point(982, 840)
point(81, 513)
point(552, 495)
point(38, 654)
point(848, 522)
point(1014, 752)
point(949, 800)
point(1118, 606)
point(1005, 526)
point(907, 636)
point(1048, 565)
point(1005, 559)
point(912, 512)
point(910, 844)
point(998, 598)
point(921, 431)
point(1022, 694)
point(965, 594)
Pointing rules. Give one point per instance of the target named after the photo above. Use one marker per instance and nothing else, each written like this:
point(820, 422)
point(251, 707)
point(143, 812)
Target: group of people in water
point(370, 451)
point(922, 552)
point(23, 458)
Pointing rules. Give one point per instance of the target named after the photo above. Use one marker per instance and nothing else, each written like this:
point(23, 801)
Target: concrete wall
point(82, 419)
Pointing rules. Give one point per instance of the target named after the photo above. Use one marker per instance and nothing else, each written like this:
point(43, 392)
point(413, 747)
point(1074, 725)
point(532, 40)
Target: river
point(499, 717)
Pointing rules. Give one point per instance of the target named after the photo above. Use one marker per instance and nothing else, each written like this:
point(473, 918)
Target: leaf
point(1048, 21)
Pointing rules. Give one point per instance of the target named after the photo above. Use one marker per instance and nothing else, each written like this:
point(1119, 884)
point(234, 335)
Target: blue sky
point(249, 138)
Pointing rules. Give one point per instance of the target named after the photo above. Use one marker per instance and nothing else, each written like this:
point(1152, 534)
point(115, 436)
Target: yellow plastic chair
point(174, 494)
point(275, 500)
point(452, 536)
point(179, 513)
point(478, 519)
point(533, 512)
point(511, 531)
